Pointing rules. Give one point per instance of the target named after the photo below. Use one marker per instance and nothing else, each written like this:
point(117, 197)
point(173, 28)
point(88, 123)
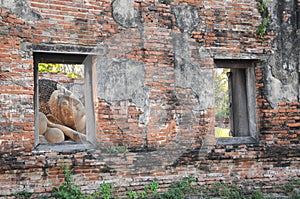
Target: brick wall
point(171, 133)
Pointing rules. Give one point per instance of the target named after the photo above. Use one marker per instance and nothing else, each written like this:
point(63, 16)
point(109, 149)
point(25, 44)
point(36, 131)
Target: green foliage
point(72, 71)
point(180, 189)
point(106, 191)
point(133, 194)
point(263, 9)
point(227, 191)
point(149, 191)
point(257, 194)
point(262, 6)
point(262, 28)
point(295, 195)
point(152, 187)
point(117, 149)
point(296, 182)
point(49, 68)
point(221, 93)
point(23, 195)
point(231, 191)
point(291, 190)
point(288, 187)
point(68, 190)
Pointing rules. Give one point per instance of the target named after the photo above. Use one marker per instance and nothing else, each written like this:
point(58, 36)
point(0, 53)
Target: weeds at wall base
point(182, 189)
point(23, 194)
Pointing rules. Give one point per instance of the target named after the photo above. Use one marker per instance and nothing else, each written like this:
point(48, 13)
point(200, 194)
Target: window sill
point(64, 147)
point(236, 141)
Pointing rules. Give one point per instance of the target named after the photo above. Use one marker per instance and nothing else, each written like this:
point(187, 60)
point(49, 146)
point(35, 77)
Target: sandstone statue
point(68, 110)
point(54, 133)
point(61, 115)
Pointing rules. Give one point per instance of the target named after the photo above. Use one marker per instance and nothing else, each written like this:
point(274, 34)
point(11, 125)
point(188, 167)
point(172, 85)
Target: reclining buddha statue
point(62, 116)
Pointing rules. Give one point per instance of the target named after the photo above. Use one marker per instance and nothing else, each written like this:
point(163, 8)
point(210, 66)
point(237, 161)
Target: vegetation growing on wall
point(263, 10)
point(67, 190)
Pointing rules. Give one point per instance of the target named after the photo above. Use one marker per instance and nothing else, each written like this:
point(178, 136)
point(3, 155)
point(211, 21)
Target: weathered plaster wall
point(154, 62)
point(282, 68)
point(22, 9)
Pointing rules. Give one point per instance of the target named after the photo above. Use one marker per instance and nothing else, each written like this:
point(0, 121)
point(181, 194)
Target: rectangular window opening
point(235, 102)
point(63, 99)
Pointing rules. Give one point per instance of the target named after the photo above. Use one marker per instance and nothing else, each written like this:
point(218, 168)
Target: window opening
point(222, 112)
point(60, 96)
point(235, 101)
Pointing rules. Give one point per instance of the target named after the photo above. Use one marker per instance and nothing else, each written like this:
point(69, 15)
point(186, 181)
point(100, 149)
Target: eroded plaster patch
point(123, 79)
point(187, 17)
point(22, 9)
point(190, 75)
point(281, 69)
point(124, 13)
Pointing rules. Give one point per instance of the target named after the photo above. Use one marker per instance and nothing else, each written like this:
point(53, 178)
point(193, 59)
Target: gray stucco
point(124, 13)
point(187, 17)
point(281, 69)
point(121, 79)
point(190, 75)
point(21, 8)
